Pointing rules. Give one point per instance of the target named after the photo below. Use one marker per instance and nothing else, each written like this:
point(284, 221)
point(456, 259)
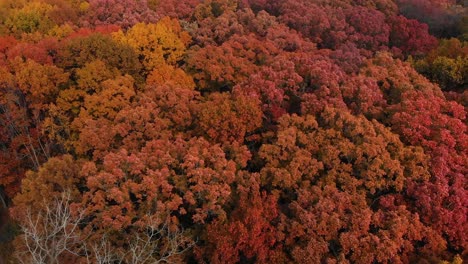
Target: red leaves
point(331, 174)
point(437, 125)
point(272, 86)
point(410, 36)
point(371, 31)
point(248, 232)
point(230, 63)
point(308, 18)
point(123, 13)
point(252, 236)
point(38, 52)
point(420, 114)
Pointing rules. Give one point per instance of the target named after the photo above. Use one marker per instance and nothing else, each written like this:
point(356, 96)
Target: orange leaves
point(215, 67)
point(300, 164)
point(26, 90)
point(171, 76)
point(348, 151)
point(114, 96)
point(332, 171)
point(11, 175)
point(6, 43)
point(224, 118)
point(185, 176)
point(174, 104)
point(125, 120)
point(40, 83)
point(90, 77)
point(57, 175)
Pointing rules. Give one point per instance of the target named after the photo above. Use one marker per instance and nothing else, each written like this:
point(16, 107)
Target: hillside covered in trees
point(233, 131)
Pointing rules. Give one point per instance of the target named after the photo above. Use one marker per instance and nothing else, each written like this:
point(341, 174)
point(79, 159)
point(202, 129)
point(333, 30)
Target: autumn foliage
point(234, 131)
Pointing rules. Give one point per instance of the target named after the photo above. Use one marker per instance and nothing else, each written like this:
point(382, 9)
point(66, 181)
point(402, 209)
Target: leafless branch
point(50, 232)
point(53, 231)
point(155, 244)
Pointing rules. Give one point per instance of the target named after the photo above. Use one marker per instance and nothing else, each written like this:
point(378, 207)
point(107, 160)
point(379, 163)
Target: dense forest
point(233, 131)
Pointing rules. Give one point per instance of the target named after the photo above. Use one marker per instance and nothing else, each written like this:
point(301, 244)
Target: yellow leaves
point(448, 71)
point(61, 31)
point(446, 65)
point(95, 82)
point(456, 260)
point(30, 18)
point(172, 25)
point(100, 94)
point(92, 74)
point(156, 44)
point(69, 100)
point(84, 6)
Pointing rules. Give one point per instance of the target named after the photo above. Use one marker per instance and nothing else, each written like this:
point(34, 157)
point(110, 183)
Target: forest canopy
point(233, 131)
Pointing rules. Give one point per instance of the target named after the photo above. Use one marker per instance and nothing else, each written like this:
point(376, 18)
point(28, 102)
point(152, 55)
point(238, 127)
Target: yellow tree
point(156, 44)
point(32, 17)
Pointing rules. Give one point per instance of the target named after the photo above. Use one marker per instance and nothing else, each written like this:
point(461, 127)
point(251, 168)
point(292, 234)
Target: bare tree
point(155, 244)
point(14, 118)
point(102, 253)
point(50, 232)
point(158, 244)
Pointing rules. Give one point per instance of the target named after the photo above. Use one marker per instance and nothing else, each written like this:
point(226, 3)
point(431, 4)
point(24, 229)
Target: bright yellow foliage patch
point(156, 44)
